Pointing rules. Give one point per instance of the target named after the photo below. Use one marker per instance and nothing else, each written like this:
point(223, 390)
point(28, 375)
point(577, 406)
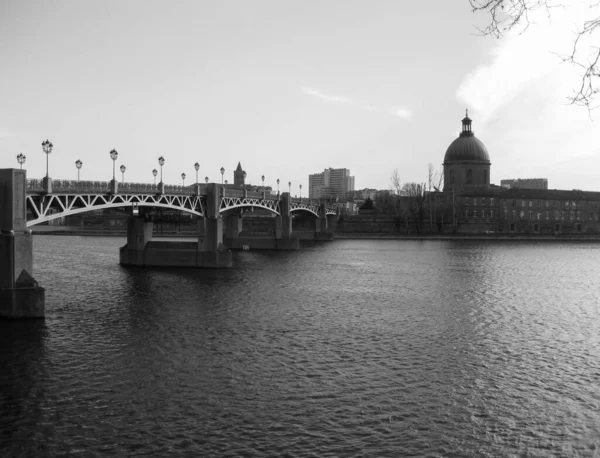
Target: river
point(350, 348)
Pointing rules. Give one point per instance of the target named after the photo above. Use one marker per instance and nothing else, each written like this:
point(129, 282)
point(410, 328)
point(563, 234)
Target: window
point(522, 203)
point(547, 215)
point(466, 213)
point(483, 201)
point(474, 213)
point(522, 214)
point(505, 214)
point(474, 200)
point(466, 201)
point(491, 213)
point(539, 215)
point(530, 203)
point(469, 176)
point(485, 177)
point(530, 215)
point(491, 201)
point(578, 215)
point(547, 205)
point(514, 214)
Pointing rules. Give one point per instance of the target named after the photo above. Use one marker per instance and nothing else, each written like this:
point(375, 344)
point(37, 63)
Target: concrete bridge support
point(20, 294)
point(207, 251)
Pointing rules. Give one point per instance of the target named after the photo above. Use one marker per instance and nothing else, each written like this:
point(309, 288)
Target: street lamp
point(21, 158)
point(277, 186)
point(47, 147)
point(300, 192)
point(78, 164)
point(154, 172)
point(161, 162)
point(123, 168)
point(206, 180)
point(114, 155)
point(183, 180)
point(290, 188)
point(226, 182)
point(197, 167)
point(263, 180)
point(222, 173)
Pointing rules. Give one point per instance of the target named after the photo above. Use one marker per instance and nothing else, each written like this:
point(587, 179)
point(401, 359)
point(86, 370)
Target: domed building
point(467, 161)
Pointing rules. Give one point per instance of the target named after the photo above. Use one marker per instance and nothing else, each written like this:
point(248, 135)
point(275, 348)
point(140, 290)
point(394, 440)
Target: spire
point(239, 167)
point(466, 126)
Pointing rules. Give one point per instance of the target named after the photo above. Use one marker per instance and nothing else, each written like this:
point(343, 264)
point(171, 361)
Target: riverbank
point(70, 230)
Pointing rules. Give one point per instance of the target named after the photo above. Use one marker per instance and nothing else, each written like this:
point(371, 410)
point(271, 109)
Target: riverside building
point(473, 205)
point(331, 183)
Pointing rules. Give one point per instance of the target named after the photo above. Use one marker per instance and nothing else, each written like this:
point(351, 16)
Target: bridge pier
point(20, 294)
point(208, 251)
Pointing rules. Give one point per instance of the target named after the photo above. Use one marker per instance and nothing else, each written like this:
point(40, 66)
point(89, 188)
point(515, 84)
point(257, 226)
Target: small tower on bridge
point(239, 176)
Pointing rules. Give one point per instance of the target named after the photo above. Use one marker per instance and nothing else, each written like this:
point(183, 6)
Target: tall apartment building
point(331, 183)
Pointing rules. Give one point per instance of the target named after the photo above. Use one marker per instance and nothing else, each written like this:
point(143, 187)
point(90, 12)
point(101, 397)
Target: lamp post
point(300, 193)
point(245, 175)
point(222, 173)
point(161, 162)
point(197, 167)
point(21, 158)
point(263, 180)
point(78, 164)
point(183, 180)
point(226, 182)
point(122, 168)
point(277, 186)
point(47, 147)
point(290, 188)
point(113, 183)
point(206, 180)
point(114, 155)
point(154, 172)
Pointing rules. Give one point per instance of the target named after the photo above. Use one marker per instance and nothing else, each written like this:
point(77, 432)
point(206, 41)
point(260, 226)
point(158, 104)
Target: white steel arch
point(48, 207)
point(229, 203)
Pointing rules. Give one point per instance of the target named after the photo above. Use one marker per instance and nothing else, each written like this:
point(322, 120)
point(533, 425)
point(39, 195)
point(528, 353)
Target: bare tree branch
point(507, 15)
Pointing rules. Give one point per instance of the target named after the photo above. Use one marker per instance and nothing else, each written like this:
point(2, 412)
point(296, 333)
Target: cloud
point(327, 97)
point(520, 60)
point(4, 133)
point(401, 112)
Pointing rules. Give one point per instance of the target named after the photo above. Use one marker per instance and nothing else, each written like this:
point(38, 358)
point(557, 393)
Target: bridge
point(73, 197)
point(219, 210)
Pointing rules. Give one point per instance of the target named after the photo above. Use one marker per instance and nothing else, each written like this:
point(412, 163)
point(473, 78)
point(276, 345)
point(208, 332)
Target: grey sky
point(286, 87)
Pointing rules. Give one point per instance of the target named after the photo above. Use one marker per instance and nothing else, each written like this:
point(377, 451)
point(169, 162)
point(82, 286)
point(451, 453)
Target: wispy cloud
point(401, 112)
point(327, 97)
point(4, 133)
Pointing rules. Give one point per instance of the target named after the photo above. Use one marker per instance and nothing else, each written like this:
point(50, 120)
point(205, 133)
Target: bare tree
point(506, 15)
point(434, 183)
point(396, 182)
point(414, 198)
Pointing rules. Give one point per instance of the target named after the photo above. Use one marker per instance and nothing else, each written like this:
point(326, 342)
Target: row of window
point(530, 203)
point(556, 215)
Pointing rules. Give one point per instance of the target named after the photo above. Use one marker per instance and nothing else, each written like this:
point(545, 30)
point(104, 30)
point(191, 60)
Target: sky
point(287, 88)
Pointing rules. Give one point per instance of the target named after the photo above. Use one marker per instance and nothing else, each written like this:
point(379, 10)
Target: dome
point(466, 147)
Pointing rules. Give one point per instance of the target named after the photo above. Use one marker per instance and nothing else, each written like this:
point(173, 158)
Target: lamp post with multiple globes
point(161, 185)
point(47, 148)
point(113, 184)
point(78, 164)
point(21, 158)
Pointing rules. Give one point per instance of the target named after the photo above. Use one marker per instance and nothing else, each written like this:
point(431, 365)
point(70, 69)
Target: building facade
point(472, 205)
point(331, 183)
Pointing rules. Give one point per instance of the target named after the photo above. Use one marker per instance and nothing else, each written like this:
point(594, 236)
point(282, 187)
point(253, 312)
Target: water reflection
point(377, 348)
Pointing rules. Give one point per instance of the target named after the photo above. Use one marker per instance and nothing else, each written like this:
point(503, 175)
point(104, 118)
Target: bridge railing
point(103, 187)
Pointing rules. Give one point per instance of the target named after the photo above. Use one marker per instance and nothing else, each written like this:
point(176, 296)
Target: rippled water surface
point(350, 348)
